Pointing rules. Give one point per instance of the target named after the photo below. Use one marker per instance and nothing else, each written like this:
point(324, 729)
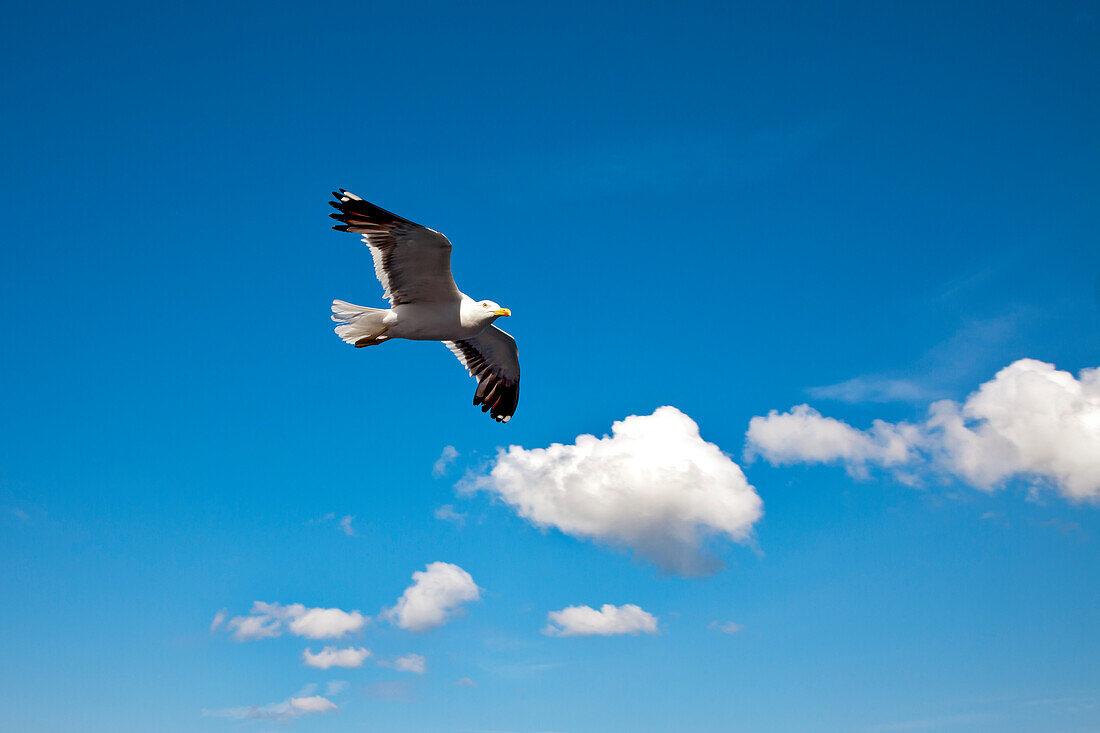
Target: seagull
point(413, 263)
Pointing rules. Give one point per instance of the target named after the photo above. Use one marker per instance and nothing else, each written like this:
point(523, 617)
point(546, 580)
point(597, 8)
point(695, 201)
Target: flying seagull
point(413, 263)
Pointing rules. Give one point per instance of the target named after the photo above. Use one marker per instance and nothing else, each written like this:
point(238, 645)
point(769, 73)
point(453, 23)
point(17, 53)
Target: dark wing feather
point(492, 359)
point(412, 262)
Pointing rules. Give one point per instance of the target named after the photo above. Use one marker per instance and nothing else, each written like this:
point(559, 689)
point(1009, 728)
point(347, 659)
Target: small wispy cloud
point(448, 513)
point(873, 388)
point(415, 663)
point(19, 514)
point(465, 682)
point(941, 371)
point(219, 619)
point(345, 525)
point(994, 518)
point(304, 703)
point(1062, 527)
point(446, 458)
point(726, 627)
point(342, 524)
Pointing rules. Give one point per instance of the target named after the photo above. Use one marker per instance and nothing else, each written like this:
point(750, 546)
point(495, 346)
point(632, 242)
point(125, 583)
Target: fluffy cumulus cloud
point(1030, 421)
point(436, 594)
point(267, 620)
point(608, 621)
point(654, 486)
point(332, 656)
point(803, 435)
point(414, 663)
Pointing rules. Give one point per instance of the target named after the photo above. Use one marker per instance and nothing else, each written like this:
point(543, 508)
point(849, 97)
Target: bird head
point(491, 310)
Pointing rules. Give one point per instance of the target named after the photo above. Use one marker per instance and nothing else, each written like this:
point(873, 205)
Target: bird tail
point(359, 325)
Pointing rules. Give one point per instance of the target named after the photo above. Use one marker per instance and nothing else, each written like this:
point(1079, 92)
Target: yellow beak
point(502, 312)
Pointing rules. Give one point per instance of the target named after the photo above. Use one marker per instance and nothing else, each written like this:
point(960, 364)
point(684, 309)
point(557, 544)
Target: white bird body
point(432, 321)
point(413, 263)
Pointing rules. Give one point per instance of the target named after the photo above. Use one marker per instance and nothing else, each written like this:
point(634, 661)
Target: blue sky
point(729, 210)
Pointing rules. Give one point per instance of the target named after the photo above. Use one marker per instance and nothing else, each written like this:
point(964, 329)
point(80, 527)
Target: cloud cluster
point(654, 486)
point(331, 656)
point(414, 663)
point(436, 594)
point(268, 620)
point(608, 621)
point(1030, 421)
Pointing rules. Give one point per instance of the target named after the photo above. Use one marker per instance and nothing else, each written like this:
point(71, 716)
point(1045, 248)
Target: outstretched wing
point(492, 359)
point(412, 262)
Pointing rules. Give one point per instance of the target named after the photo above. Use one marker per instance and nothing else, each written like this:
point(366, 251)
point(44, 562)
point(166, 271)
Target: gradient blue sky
point(714, 207)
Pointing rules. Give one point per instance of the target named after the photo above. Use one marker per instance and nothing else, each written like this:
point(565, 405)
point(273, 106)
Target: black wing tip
point(351, 205)
point(497, 396)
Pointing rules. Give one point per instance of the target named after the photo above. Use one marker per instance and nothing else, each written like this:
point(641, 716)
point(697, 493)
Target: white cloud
point(335, 687)
point(448, 514)
point(325, 623)
point(1029, 421)
point(312, 704)
point(654, 486)
point(872, 389)
point(331, 656)
point(804, 436)
point(608, 621)
point(254, 627)
point(267, 620)
point(414, 663)
point(219, 619)
point(345, 525)
point(726, 627)
point(294, 707)
point(446, 458)
point(436, 594)
point(465, 682)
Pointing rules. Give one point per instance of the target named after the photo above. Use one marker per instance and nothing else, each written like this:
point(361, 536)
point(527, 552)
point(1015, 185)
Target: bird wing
point(492, 359)
point(412, 262)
